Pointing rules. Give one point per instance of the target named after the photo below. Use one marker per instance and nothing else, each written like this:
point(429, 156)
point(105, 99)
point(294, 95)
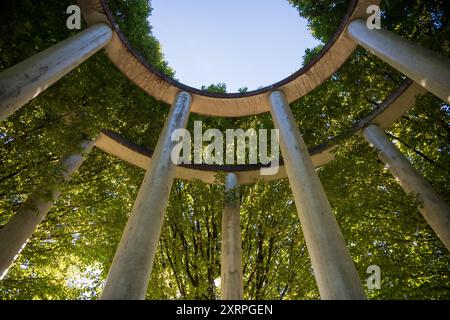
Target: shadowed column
point(25, 81)
point(231, 268)
point(133, 262)
point(433, 208)
point(15, 234)
point(333, 266)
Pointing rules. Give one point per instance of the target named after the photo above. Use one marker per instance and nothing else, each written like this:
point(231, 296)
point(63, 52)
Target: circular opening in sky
point(241, 43)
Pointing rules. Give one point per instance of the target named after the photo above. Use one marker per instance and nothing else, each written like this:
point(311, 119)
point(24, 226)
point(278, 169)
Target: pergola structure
point(333, 266)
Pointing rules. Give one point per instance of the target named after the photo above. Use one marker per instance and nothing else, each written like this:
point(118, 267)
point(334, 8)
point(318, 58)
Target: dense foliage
point(70, 254)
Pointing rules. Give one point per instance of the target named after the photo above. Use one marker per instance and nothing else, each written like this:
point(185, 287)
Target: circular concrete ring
point(137, 69)
point(384, 115)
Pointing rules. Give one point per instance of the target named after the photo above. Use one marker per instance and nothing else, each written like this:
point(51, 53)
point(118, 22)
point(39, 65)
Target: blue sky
point(243, 43)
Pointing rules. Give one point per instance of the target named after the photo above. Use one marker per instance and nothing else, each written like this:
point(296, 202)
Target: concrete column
point(26, 80)
point(435, 211)
point(426, 67)
point(133, 262)
point(231, 269)
point(16, 233)
point(335, 272)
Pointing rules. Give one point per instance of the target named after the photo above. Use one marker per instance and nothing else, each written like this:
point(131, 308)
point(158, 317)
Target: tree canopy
point(71, 252)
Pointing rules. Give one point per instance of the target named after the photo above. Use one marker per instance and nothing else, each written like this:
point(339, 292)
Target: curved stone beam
point(163, 88)
point(384, 115)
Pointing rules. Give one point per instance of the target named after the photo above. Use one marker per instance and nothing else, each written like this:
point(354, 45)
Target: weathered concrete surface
point(433, 208)
point(333, 266)
point(133, 262)
point(232, 287)
point(15, 234)
point(426, 67)
point(25, 81)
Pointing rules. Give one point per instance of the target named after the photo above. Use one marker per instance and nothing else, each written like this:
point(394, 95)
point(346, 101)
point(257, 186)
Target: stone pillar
point(335, 272)
point(426, 67)
point(26, 80)
point(435, 211)
point(231, 268)
point(133, 262)
point(16, 233)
